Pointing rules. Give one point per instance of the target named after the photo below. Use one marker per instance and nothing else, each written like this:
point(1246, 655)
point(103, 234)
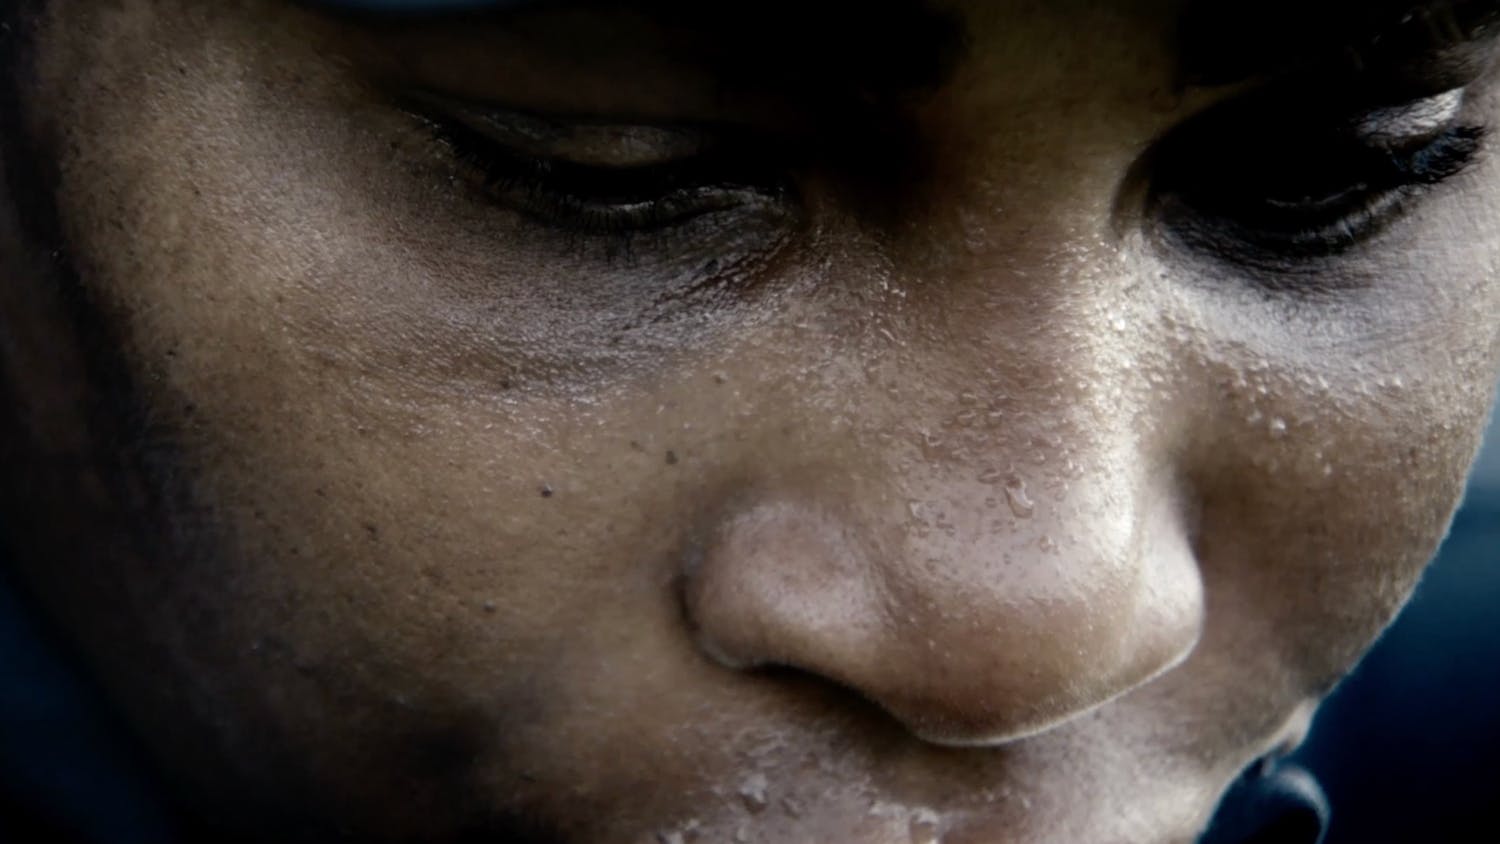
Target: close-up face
point(982, 421)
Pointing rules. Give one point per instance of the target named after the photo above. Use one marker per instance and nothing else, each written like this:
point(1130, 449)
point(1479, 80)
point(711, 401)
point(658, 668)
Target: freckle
point(372, 530)
point(546, 491)
point(671, 458)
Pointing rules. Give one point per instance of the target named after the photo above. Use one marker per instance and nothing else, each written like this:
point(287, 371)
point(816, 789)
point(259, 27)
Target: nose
point(988, 630)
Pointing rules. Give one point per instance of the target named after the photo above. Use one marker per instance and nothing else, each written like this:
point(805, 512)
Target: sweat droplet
point(924, 828)
point(753, 793)
point(991, 476)
point(1278, 428)
point(1020, 503)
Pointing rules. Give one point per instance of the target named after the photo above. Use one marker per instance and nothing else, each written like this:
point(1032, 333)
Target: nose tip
point(963, 648)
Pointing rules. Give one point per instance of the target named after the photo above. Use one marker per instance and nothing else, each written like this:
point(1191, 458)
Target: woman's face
point(876, 424)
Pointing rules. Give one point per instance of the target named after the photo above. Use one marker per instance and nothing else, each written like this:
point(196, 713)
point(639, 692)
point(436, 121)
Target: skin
point(959, 500)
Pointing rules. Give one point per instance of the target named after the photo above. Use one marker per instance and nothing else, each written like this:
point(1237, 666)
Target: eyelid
point(605, 142)
point(1398, 127)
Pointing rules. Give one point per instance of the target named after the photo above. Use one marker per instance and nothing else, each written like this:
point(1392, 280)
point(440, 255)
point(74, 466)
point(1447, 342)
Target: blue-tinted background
point(1408, 747)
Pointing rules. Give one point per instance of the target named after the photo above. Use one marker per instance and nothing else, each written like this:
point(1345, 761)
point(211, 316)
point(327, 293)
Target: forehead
point(1220, 41)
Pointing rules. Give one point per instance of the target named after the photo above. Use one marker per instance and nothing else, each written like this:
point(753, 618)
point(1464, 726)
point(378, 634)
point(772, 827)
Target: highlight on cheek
point(846, 421)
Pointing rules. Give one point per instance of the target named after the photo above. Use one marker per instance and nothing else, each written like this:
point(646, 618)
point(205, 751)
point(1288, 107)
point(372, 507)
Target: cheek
point(1337, 451)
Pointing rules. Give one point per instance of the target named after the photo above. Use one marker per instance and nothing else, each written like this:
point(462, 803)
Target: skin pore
point(580, 426)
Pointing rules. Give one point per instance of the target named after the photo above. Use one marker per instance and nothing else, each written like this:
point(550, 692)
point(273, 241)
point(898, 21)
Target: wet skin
point(946, 461)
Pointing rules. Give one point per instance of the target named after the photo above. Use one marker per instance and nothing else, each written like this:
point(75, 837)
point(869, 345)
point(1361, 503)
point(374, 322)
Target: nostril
point(1270, 805)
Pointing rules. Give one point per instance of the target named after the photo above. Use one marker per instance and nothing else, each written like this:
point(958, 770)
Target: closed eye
point(1294, 183)
point(599, 177)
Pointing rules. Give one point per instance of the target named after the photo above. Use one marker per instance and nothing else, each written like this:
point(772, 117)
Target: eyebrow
point(870, 49)
point(873, 48)
point(1224, 43)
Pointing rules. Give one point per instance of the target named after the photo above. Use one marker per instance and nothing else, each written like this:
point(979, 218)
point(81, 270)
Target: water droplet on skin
point(924, 828)
point(1278, 428)
point(753, 793)
point(686, 834)
point(1020, 503)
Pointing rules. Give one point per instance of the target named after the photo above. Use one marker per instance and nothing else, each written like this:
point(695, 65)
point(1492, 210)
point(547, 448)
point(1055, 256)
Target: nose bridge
point(1015, 555)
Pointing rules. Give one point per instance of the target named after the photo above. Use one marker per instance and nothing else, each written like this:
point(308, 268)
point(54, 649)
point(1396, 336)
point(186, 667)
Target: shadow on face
point(974, 422)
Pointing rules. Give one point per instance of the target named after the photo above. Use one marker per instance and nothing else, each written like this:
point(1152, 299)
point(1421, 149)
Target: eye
point(602, 177)
point(1297, 182)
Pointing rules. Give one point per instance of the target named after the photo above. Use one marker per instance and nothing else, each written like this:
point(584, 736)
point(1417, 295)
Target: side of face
point(947, 487)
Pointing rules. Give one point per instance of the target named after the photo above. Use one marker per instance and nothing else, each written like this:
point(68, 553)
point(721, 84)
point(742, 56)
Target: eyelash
point(1225, 184)
point(1222, 183)
point(603, 200)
